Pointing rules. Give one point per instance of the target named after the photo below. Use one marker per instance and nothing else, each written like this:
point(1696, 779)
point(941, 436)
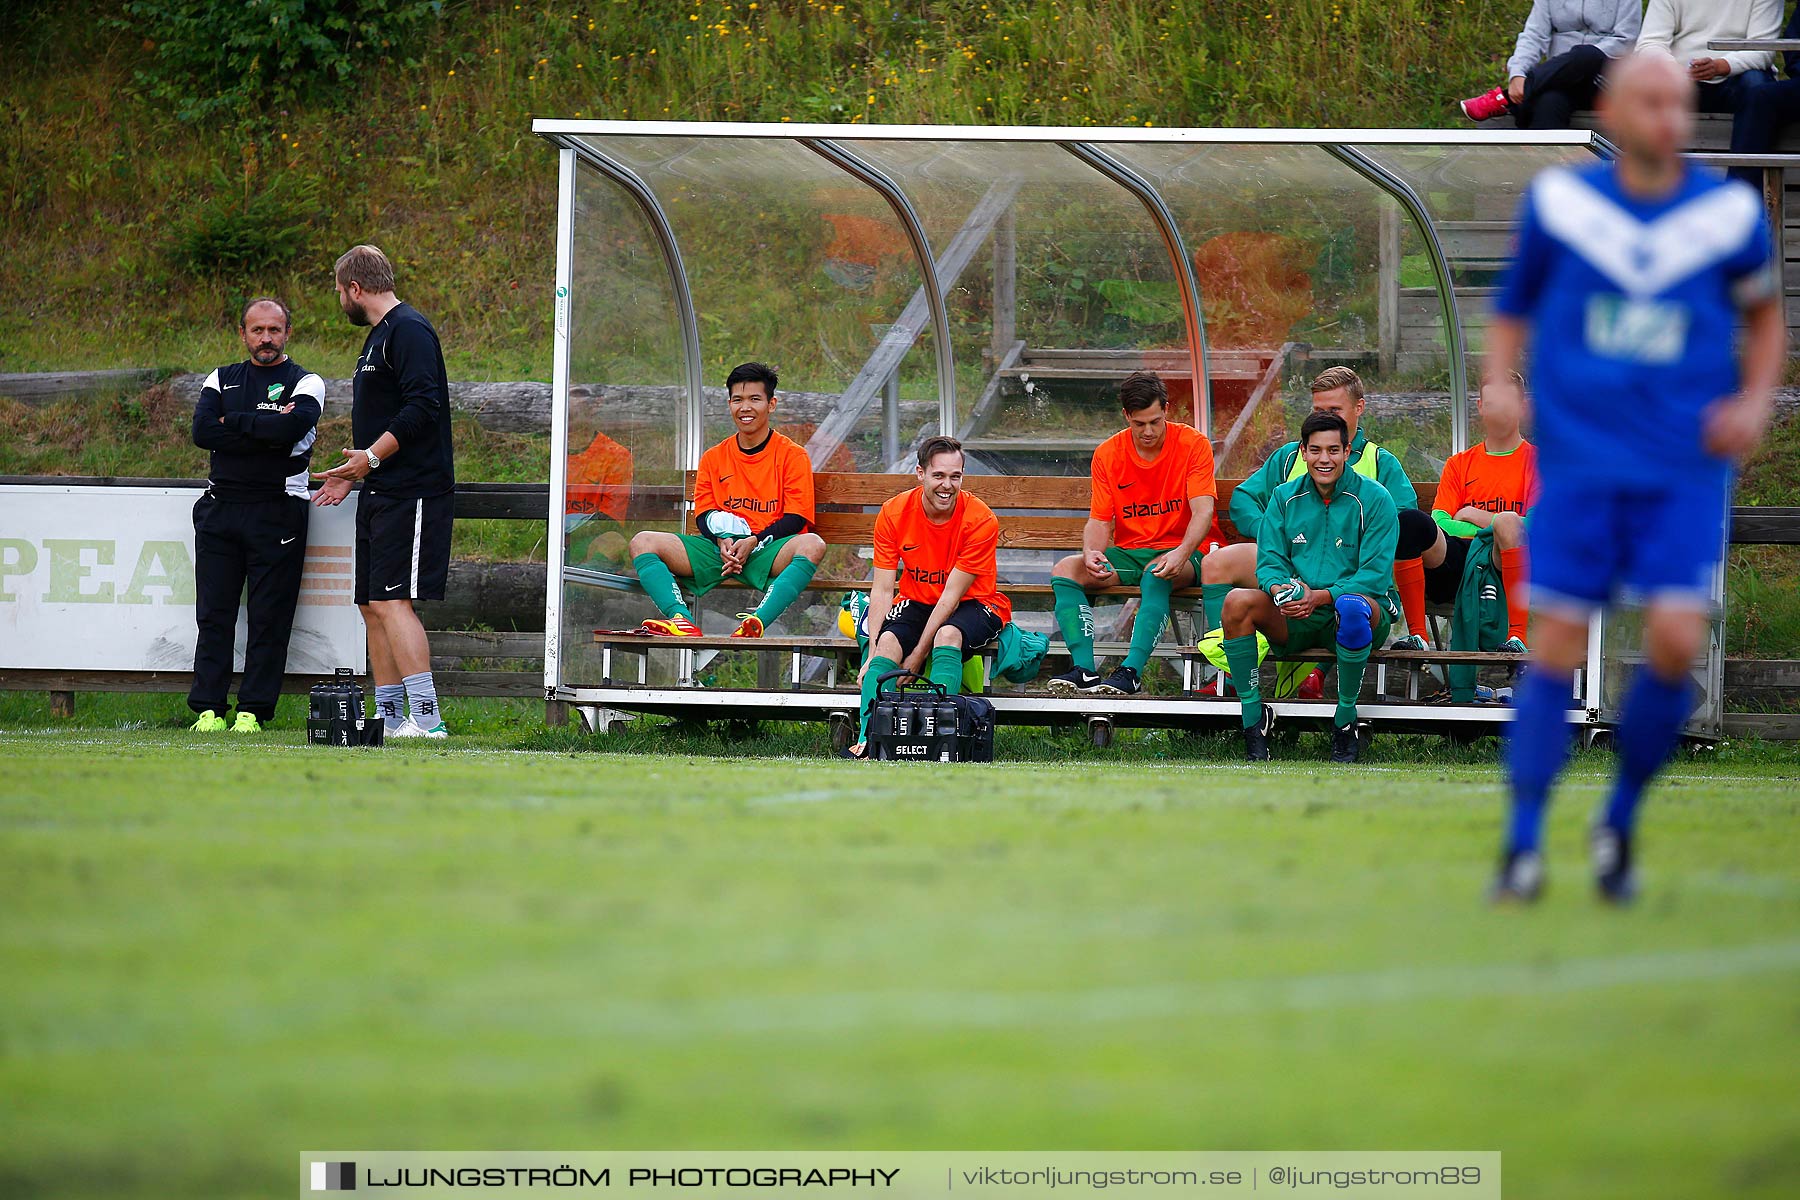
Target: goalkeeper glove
point(726, 525)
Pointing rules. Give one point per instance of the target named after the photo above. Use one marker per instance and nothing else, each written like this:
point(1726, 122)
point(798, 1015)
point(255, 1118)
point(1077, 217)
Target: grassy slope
point(217, 955)
point(438, 164)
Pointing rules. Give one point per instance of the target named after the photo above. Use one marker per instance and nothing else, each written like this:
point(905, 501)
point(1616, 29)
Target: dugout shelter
point(996, 284)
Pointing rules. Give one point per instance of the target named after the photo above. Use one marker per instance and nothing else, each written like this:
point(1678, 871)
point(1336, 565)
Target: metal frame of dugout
point(974, 280)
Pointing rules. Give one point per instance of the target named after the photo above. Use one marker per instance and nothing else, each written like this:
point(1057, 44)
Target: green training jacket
point(1479, 620)
point(1345, 547)
point(1251, 498)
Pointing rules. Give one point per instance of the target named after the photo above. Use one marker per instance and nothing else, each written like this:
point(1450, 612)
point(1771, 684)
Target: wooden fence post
point(1005, 285)
point(1387, 299)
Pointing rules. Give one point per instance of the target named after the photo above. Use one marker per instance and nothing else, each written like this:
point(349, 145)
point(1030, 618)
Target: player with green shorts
point(706, 565)
point(1324, 569)
point(753, 507)
point(1319, 631)
point(1129, 565)
point(1150, 512)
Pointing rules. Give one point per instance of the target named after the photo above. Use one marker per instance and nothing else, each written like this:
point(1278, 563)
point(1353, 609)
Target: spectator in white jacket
point(1558, 61)
point(1769, 110)
point(1727, 78)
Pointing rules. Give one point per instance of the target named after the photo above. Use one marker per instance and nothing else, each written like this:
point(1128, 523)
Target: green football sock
point(1350, 664)
point(659, 584)
point(1212, 603)
point(1076, 620)
point(1152, 615)
point(1240, 652)
point(878, 666)
point(785, 589)
point(946, 669)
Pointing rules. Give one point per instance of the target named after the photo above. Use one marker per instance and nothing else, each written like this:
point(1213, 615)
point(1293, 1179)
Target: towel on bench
point(1478, 622)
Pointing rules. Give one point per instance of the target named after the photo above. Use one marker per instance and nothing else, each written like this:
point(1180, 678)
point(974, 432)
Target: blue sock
point(1649, 728)
point(421, 700)
point(1536, 749)
point(390, 703)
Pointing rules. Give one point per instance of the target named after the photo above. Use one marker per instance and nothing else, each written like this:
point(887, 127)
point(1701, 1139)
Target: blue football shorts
point(1595, 543)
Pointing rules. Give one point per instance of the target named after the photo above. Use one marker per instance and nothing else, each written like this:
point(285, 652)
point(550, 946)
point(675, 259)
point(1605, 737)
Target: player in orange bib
point(1494, 484)
point(936, 596)
point(597, 487)
point(753, 505)
point(1149, 520)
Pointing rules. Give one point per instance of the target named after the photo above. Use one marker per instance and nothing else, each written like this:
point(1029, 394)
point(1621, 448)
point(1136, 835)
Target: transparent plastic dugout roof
point(997, 284)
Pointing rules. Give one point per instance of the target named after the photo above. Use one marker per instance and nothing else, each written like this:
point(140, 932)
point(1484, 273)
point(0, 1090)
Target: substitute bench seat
point(842, 653)
point(836, 698)
point(1036, 513)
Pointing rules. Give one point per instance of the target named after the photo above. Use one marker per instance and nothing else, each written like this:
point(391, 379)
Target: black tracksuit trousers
point(262, 544)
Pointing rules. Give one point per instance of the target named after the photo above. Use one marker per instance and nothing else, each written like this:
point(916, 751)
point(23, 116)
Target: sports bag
point(927, 724)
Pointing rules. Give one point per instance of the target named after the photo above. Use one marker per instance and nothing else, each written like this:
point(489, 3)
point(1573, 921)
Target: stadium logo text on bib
point(1153, 509)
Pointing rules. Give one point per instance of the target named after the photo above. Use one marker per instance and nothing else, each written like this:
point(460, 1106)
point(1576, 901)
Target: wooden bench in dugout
point(1036, 513)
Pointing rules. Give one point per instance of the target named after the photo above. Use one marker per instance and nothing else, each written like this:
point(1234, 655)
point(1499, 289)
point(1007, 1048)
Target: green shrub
point(26, 29)
point(234, 55)
point(265, 229)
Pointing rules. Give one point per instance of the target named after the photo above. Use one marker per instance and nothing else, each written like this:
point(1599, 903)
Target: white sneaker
point(410, 728)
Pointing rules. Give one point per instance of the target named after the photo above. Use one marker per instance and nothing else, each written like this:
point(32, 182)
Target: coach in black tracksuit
point(258, 418)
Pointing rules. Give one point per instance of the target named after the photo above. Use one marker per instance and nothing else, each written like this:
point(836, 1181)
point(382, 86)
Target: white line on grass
point(849, 1011)
point(816, 796)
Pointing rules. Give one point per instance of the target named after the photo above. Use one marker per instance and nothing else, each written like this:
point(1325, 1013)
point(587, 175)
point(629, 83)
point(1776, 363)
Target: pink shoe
point(1486, 106)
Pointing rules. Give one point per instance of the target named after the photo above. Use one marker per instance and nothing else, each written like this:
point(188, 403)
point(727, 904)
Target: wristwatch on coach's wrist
point(374, 459)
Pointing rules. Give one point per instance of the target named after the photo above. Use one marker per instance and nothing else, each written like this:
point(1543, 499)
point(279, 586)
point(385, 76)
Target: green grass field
point(217, 953)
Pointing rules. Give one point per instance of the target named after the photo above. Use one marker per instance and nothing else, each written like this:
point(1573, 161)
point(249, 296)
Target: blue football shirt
point(1634, 308)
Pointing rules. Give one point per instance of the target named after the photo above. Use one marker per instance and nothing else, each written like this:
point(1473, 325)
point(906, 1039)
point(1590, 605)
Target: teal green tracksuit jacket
point(1345, 547)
